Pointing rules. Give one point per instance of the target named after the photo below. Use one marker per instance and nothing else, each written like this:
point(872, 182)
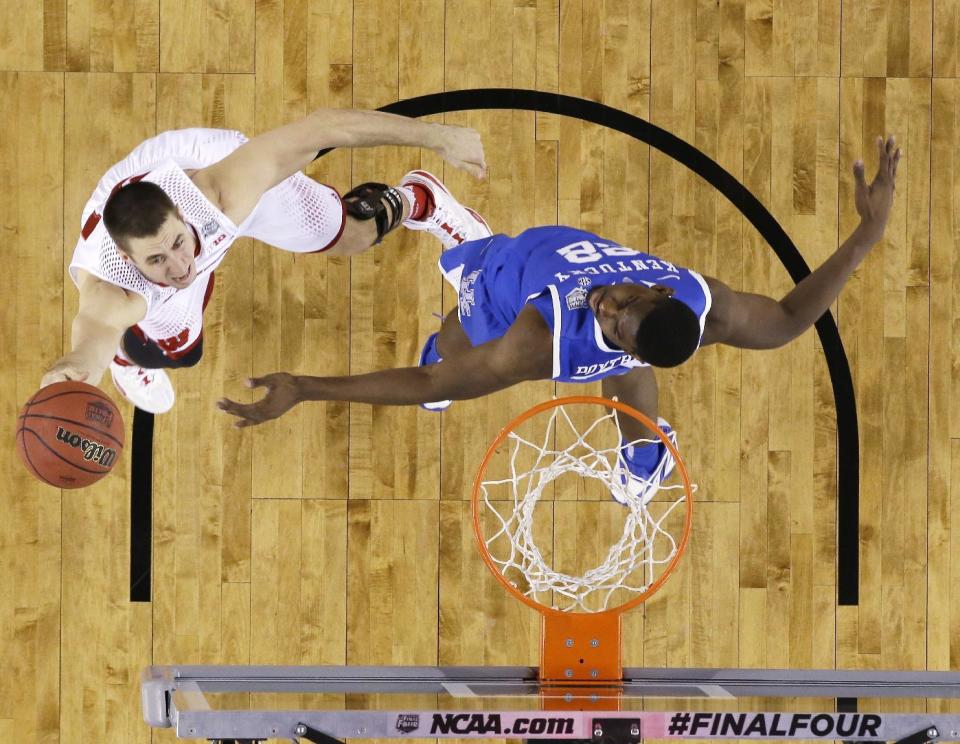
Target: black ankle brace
point(372, 201)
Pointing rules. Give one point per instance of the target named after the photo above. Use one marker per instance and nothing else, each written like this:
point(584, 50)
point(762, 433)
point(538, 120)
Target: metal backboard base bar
point(177, 696)
point(495, 681)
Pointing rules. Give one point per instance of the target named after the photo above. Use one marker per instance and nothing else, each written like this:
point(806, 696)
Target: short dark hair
point(669, 334)
point(138, 210)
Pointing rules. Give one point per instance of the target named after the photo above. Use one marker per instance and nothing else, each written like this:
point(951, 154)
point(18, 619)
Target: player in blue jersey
point(564, 304)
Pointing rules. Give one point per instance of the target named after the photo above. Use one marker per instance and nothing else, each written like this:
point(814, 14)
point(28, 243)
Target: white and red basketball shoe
point(149, 390)
point(449, 221)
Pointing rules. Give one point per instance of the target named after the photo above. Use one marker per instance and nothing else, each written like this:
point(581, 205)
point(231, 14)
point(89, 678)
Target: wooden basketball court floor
point(339, 534)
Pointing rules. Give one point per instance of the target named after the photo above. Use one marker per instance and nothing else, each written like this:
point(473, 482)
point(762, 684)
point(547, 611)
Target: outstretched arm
point(523, 353)
point(105, 312)
point(238, 181)
point(751, 321)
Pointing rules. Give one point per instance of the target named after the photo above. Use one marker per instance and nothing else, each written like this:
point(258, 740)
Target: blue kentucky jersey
point(553, 268)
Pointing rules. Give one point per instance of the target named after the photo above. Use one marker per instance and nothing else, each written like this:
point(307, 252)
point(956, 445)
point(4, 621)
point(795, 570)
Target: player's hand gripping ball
point(69, 434)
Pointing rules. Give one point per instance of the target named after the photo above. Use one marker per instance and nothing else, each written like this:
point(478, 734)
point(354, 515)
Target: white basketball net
point(632, 563)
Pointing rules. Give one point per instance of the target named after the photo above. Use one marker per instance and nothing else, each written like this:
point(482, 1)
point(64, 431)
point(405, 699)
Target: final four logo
point(408, 722)
point(577, 298)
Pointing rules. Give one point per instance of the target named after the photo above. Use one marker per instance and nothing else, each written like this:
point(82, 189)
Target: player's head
point(150, 232)
point(647, 322)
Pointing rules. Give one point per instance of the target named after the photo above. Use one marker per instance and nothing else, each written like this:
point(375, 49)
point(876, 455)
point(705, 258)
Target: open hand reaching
point(282, 395)
point(874, 200)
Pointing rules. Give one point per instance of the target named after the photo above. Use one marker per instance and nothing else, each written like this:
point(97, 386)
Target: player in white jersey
point(518, 338)
point(161, 220)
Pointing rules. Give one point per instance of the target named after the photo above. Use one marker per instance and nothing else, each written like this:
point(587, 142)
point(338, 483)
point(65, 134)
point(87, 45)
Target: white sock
point(123, 355)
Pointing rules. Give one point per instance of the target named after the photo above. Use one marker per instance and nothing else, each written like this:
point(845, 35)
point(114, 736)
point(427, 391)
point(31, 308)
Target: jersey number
point(586, 252)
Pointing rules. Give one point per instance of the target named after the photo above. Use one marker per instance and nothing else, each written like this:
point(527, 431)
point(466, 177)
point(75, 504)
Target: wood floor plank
point(22, 36)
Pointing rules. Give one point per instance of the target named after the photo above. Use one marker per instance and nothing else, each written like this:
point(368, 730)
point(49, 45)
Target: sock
point(641, 460)
point(421, 203)
point(121, 357)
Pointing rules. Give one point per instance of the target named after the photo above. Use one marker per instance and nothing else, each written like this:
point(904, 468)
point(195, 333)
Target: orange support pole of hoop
point(580, 661)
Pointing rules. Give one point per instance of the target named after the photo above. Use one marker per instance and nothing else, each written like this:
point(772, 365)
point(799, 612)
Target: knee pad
point(371, 201)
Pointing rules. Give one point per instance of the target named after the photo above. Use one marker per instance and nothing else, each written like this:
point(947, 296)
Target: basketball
point(69, 434)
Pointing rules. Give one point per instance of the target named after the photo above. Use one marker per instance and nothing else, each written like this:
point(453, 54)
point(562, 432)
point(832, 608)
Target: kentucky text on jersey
point(596, 251)
point(553, 269)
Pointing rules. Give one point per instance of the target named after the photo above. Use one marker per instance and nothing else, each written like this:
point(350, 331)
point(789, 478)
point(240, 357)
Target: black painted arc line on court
point(141, 505)
point(848, 448)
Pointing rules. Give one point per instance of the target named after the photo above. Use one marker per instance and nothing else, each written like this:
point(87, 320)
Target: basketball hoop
point(580, 643)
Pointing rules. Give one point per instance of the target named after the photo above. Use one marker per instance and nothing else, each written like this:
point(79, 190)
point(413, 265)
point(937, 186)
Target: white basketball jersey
point(174, 318)
point(298, 214)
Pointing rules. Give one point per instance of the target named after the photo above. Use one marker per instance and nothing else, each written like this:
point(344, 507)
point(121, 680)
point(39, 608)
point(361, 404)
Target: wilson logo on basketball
point(100, 414)
point(92, 451)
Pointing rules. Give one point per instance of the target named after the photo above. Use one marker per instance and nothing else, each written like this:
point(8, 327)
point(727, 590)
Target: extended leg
point(638, 389)
point(420, 202)
point(650, 464)
point(373, 210)
point(452, 339)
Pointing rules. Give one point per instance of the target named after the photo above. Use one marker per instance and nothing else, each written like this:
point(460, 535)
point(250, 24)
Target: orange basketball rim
point(580, 651)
